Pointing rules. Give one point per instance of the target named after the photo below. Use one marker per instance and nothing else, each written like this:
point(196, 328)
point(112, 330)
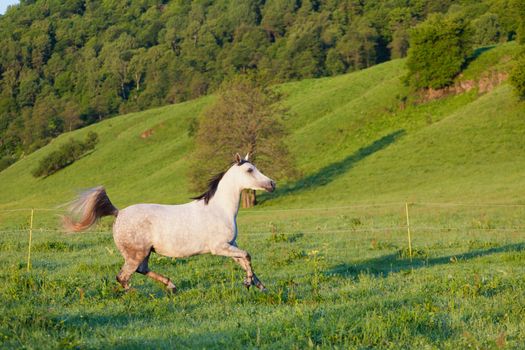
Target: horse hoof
point(171, 288)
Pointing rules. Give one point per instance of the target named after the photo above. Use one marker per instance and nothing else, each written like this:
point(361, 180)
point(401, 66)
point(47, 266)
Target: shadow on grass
point(331, 172)
point(476, 53)
point(392, 263)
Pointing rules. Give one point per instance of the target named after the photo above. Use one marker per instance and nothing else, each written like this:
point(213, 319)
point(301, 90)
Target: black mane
point(212, 187)
point(213, 184)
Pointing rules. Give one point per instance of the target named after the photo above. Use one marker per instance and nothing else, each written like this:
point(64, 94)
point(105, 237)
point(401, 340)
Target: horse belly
point(179, 244)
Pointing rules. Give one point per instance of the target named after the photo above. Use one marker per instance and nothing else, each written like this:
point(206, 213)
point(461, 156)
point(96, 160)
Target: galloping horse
point(205, 225)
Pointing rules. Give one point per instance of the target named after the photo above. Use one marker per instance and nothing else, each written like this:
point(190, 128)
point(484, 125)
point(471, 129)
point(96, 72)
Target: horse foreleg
point(251, 278)
point(243, 258)
point(248, 280)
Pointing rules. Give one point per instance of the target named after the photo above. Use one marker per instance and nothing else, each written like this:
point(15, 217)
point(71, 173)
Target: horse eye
point(250, 170)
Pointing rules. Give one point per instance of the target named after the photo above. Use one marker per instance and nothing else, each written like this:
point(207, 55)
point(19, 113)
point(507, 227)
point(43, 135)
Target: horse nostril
point(270, 186)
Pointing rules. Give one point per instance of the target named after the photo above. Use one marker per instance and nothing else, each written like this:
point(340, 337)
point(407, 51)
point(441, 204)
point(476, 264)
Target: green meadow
point(332, 245)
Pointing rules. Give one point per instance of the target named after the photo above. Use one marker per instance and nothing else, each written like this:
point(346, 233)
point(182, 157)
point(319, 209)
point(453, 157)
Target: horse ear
point(247, 156)
point(238, 158)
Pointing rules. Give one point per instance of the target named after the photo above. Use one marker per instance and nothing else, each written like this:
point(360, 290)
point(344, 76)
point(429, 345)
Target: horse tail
point(90, 206)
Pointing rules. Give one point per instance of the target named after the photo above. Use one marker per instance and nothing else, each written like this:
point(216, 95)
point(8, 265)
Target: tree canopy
point(69, 63)
point(517, 77)
point(247, 118)
point(438, 50)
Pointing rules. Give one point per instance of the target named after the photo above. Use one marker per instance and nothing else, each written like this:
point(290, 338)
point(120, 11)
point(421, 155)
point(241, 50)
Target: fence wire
point(394, 220)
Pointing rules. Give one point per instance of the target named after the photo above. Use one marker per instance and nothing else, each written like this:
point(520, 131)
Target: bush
point(520, 12)
point(517, 76)
point(6, 161)
point(439, 48)
point(91, 140)
point(65, 155)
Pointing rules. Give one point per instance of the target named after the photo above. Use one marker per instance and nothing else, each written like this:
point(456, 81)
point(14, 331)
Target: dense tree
point(245, 118)
point(71, 115)
point(400, 21)
point(358, 46)
point(517, 77)
point(88, 60)
point(486, 29)
point(439, 48)
point(519, 7)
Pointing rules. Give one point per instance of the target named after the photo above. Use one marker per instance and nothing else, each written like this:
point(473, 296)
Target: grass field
point(331, 245)
point(339, 278)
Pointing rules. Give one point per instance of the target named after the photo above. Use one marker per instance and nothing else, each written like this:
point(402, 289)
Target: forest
point(67, 64)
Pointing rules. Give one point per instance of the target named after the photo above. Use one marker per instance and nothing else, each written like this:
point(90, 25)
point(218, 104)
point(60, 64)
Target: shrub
point(67, 153)
point(91, 140)
point(517, 76)
point(439, 48)
point(6, 161)
point(519, 7)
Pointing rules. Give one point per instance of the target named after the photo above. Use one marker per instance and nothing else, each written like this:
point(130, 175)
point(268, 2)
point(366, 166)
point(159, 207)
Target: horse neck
point(227, 196)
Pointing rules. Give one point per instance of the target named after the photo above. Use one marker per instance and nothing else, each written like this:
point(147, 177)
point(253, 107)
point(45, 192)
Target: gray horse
point(205, 225)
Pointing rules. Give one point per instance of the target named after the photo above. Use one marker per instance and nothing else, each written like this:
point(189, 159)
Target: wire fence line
point(437, 204)
point(35, 209)
point(352, 206)
point(299, 231)
point(404, 224)
point(403, 207)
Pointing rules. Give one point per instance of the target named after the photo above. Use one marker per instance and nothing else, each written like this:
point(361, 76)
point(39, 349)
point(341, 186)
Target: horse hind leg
point(144, 270)
point(132, 261)
point(125, 273)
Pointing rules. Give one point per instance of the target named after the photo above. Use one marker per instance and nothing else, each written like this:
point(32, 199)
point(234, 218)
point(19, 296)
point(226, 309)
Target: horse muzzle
point(270, 187)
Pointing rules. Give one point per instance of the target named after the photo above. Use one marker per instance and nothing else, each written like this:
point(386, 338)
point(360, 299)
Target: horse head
point(248, 176)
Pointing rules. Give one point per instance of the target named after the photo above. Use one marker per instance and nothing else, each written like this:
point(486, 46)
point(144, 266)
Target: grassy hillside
point(352, 141)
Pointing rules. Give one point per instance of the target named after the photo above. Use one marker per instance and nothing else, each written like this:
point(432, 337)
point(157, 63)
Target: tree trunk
point(137, 81)
point(248, 198)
